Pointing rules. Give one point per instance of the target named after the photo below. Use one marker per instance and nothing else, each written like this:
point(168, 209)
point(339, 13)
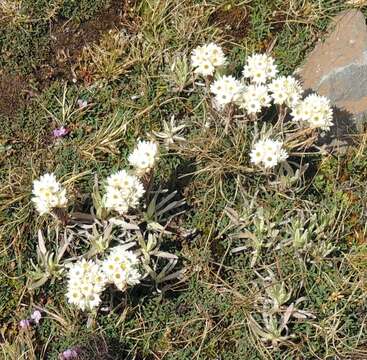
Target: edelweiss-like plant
point(120, 219)
point(144, 157)
point(268, 153)
point(86, 282)
point(171, 133)
point(260, 68)
point(276, 311)
point(123, 192)
point(259, 88)
point(48, 194)
point(121, 268)
point(205, 59)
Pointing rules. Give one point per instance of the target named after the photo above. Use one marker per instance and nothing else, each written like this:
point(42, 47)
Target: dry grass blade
point(107, 138)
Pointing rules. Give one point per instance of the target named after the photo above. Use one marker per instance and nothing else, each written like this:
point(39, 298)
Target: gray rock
point(337, 68)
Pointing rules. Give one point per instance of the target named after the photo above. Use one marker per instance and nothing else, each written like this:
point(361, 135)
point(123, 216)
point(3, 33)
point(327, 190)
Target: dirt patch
point(234, 22)
point(12, 93)
point(69, 39)
point(278, 21)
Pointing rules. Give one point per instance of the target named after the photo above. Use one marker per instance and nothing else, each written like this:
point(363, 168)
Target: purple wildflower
point(33, 320)
point(25, 324)
point(82, 103)
point(60, 132)
point(69, 354)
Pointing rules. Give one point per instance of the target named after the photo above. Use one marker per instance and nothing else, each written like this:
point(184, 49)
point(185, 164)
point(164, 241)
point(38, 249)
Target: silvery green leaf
point(152, 242)
point(63, 246)
point(150, 271)
point(170, 207)
point(165, 255)
point(166, 199)
point(125, 225)
point(154, 226)
point(244, 235)
point(128, 245)
point(258, 330)
point(238, 249)
point(176, 275)
point(233, 216)
point(302, 314)
point(166, 270)
point(152, 206)
point(39, 283)
point(41, 243)
point(288, 313)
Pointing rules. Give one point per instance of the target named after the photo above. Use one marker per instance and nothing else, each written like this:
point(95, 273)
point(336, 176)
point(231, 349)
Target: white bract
point(123, 191)
point(260, 68)
point(315, 110)
point(144, 157)
point(121, 268)
point(86, 282)
point(206, 58)
point(268, 153)
point(286, 90)
point(48, 194)
point(226, 90)
point(254, 98)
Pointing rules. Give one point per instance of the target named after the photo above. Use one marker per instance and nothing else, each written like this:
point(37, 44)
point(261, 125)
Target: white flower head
point(206, 58)
point(226, 90)
point(86, 282)
point(268, 153)
point(144, 157)
point(315, 110)
point(215, 54)
point(254, 98)
point(121, 268)
point(123, 191)
point(48, 194)
point(286, 90)
point(260, 68)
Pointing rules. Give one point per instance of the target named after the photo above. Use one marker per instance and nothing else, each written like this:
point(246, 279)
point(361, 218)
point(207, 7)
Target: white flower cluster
point(144, 157)
point(268, 153)
point(124, 189)
point(226, 90)
point(260, 68)
point(259, 88)
point(123, 192)
point(86, 282)
point(206, 58)
point(48, 194)
point(315, 110)
point(286, 90)
point(88, 279)
point(121, 268)
point(254, 98)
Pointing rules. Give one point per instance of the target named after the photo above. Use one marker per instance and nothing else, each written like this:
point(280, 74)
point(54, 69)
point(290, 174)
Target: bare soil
point(67, 41)
point(233, 22)
point(12, 93)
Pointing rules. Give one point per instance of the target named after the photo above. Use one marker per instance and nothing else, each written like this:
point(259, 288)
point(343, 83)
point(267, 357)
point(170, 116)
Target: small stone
point(337, 68)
